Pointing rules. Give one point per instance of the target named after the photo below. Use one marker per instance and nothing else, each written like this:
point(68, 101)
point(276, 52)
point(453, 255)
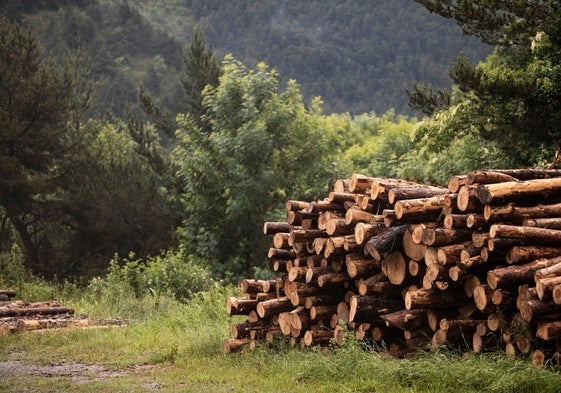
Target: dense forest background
point(358, 56)
point(161, 135)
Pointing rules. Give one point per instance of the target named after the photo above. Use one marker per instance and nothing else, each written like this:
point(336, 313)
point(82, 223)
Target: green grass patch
point(175, 345)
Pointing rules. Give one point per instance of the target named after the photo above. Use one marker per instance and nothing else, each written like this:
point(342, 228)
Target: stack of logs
point(19, 316)
point(475, 265)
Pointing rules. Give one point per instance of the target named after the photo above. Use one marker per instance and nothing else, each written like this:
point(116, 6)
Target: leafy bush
point(170, 274)
point(14, 275)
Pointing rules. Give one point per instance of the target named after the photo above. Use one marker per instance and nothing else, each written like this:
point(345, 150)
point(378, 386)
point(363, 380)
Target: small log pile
point(20, 316)
point(475, 265)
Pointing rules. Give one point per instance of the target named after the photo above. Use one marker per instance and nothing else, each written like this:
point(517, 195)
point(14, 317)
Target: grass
point(177, 347)
point(173, 346)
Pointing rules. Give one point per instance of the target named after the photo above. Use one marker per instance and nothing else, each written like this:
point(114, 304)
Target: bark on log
point(364, 231)
point(272, 227)
point(274, 306)
point(516, 275)
point(365, 308)
point(422, 209)
point(437, 237)
point(406, 319)
point(359, 265)
point(414, 192)
point(519, 190)
point(538, 236)
point(27, 311)
point(551, 223)
point(433, 298)
point(488, 177)
point(236, 344)
point(385, 242)
point(540, 310)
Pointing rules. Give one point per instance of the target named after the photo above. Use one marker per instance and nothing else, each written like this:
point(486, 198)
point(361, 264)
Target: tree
point(514, 97)
point(201, 69)
point(263, 146)
point(39, 100)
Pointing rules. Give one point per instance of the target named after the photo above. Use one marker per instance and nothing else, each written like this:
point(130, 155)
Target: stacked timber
point(475, 265)
point(20, 316)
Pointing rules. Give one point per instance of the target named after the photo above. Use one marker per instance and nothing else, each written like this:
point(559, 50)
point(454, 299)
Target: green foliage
point(41, 101)
point(14, 275)
point(171, 274)
point(513, 98)
point(264, 145)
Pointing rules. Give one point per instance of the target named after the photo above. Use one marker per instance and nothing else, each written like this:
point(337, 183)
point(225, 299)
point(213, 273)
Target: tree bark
point(385, 242)
point(519, 190)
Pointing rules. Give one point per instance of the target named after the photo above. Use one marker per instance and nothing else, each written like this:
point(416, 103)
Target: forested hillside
point(170, 146)
point(358, 56)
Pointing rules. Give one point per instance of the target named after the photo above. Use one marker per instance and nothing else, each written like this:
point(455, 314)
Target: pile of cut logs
point(475, 265)
point(20, 316)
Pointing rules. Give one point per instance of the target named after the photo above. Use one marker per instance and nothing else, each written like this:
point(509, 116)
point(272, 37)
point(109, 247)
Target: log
point(530, 173)
point(437, 237)
point(281, 254)
point(482, 295)
point(519, 190)
point(359, 265)
point(433, 298)
point(517, 214)
point(538, 236)
point(305, 235)
point(406, 319)
point(515, 275)
point(450, 254)
point(548, 330)
point(364, 231)
point(488, 177)
point(338, 227)
point(414, 250)
point(394, 267)
point(236, 344)
point(551, 223)
point(28, 311)
point(518, 254)
point(455, 182)
point(365, 308)
point(274, 306)
point(8, 292)
point(360, 183)
point(354, 216)
point(385, 242)
point(540, 310)
point(551, 271)
point(371, 285)
point(422, 209)
point(318, 337)
point(544, 286)
point(244, 329)
point(331, 279)
point(414, 192)
point(468, 201)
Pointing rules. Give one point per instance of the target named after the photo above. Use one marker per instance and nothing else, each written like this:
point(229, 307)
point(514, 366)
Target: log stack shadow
point(474, 266)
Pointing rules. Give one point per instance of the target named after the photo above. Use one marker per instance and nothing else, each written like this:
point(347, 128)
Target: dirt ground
point(78, 372)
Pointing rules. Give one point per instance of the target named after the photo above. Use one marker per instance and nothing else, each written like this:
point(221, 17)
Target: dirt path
point(78, 372)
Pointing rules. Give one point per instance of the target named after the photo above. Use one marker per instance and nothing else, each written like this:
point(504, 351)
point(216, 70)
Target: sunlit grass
point(174, 346)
